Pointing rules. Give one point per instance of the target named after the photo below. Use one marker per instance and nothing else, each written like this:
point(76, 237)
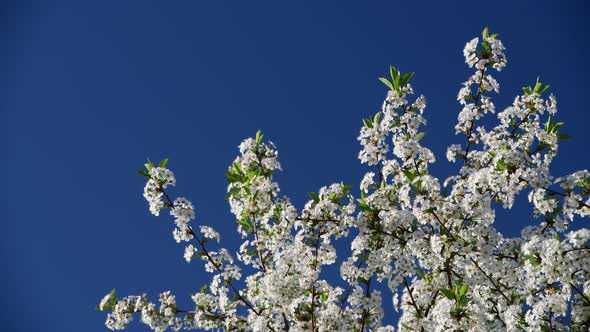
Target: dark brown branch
point(413, 302)
point(345, 298)
point(443, 226)
point(255, 231)
point(492, 281)
point(212, 261)
point(584, 297)
point(313, 290)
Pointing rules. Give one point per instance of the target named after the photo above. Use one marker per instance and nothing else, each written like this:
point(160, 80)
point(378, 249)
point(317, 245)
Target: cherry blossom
point(430, 243)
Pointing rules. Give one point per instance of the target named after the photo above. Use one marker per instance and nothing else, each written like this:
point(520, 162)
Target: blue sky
point(89, 90)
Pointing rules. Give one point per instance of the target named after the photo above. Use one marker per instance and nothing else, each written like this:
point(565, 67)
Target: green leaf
point(163, 163)
point(396, 81)
point(231, 178)
point(406, 78)
point(203, 289)
point(247, 190)
point(430, 209)
point(463, 291)
point(420, 273)
point(549, 125)
point(368, 123)
point(377, 117)
point(232, 192)
point(563, 137)
point(314, 196)
point(394, 73)
point(363, 205)
point(533, 259)
point(501, 165)
point(448, 293)
point(363, 280)
point(538, 86)
point(237, 168)
point(485, 33)
point(465, 301)
point(259, 137)
point(244, 223)
point(144, 173)
point(543, 89)
point(386, 82)
point(411, 175)
point(345, 188)
point(149, 165)
point(420, 135)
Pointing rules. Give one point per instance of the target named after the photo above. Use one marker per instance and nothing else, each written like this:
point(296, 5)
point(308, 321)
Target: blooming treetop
point(434, 245)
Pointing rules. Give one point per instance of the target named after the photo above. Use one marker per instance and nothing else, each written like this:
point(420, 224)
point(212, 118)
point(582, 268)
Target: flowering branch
point(431, 244)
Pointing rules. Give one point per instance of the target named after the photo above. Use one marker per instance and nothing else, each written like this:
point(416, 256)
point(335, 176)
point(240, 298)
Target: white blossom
point(435, 249)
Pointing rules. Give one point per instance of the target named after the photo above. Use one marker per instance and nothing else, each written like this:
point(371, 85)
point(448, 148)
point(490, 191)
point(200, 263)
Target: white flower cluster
point(434, 246)
point(492, 53)
point(183, 211)
point(158, 319)
point(160, 178)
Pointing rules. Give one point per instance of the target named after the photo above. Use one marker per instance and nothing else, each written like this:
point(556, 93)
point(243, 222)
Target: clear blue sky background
point(90, 89)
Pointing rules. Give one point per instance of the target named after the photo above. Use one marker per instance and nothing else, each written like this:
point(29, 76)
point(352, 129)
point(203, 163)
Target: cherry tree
point(432, 243)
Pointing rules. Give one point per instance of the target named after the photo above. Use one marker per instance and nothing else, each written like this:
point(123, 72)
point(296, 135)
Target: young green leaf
point(144, 173)
point(527, 90)
point(314, 196)
point(406, 78)
point(363, 280)
point(363, 205)
point(386, 82)
point(259, 137)
point(397, 80)
point(448, 293)
point(549, 125)
point(149, 165)
point(485, 33)
point(430, 209)
point(543, 89)
point(394, 73)
point(463, 291)
point(538, 86)
point(556, 127)
point(376, 118)
point(420, 273)
point(244, 223)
